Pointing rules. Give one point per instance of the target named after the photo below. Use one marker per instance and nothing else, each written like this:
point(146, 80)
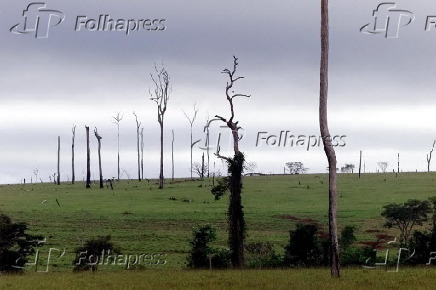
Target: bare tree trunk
point(235, 167)
point(88, 160)
point(398, 169)
point(118, 155)
point(138, 126)
point(191, 154)
point(142, 152)
point(99, 157)
point(202, 166)
point(117, 120)
point(161, 176)
point(429, 157)
point(360, 162)
point(172, 157)
point(73, 178)
point(328, 148)
point(59, 161)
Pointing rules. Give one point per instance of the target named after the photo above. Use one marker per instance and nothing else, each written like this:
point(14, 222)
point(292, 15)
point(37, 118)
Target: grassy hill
point(144, 220)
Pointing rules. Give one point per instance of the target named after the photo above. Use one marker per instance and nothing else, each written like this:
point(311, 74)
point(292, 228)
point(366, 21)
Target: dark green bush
point(15, 245)
point(221, 188)
point(200, 250)
point(88, 256)
point(304, 248)
point(262, 255)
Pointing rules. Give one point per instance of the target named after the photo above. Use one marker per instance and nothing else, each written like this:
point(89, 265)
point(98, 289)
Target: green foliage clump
point(221, 188)
point(405, 216)
point(304, 248)
point(88, 256)
point(201, 252)
point(262, 255)
point(15, 245)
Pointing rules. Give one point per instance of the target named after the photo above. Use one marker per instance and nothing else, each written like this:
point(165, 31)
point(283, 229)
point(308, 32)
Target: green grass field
point(144, 220)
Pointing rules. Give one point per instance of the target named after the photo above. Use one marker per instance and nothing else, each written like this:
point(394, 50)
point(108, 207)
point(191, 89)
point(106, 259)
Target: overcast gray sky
point(381, 92)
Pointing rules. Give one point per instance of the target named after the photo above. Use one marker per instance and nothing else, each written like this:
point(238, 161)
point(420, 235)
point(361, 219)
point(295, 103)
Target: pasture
point(144, 220)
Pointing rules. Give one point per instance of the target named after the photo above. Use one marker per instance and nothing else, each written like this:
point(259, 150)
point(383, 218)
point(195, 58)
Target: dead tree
point(142, 153)
point(398, 166)
point(191, 123)
point(429, 156)
point(99, 156)
point(138, 128)
point(160, 95)
point(172, 157)
point(88, 160)
point(117, 121)
point(35, 172)
point(327, 141)
point(235, 168)
point(206, 128)
point(59, 161)
point(73, 175)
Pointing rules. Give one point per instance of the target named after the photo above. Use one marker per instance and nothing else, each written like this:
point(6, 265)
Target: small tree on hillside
point(406, 216)
point(382, 165)
point(296, 167)
point(348, 168)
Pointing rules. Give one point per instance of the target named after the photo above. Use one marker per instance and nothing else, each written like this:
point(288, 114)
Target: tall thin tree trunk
point(59, 161)
point(139, 154)
point(328, 148)
point(73, 178)
point(99, 157)
point(360, 162)
point(161, 176)
point(118, 141)
point(191, 152)
point(172, 157)
point(88, 160)
point(142, 153)
point(202, 166)
point(398, 169)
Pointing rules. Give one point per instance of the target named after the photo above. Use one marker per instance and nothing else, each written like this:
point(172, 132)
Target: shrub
point(347, 237)
point(15, 245)
point(423, 243)
point(356, 256)
point(221, 188)
point(200, 250)
point(262, 255)
point(88, 256)
point(304, 248)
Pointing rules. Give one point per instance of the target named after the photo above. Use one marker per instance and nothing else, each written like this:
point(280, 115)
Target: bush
point(201, 251)
point(88, 256)
point(347, 237)
point(15, 245)
point(423, 243)
point(220, 258)
point(355, 256)
point(304, 248)
point(201, 237)
point(221, 188)
point(262, 255)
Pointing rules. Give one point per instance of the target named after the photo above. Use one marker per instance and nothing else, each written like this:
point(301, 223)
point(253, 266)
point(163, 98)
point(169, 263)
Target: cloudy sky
point(381, 92)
